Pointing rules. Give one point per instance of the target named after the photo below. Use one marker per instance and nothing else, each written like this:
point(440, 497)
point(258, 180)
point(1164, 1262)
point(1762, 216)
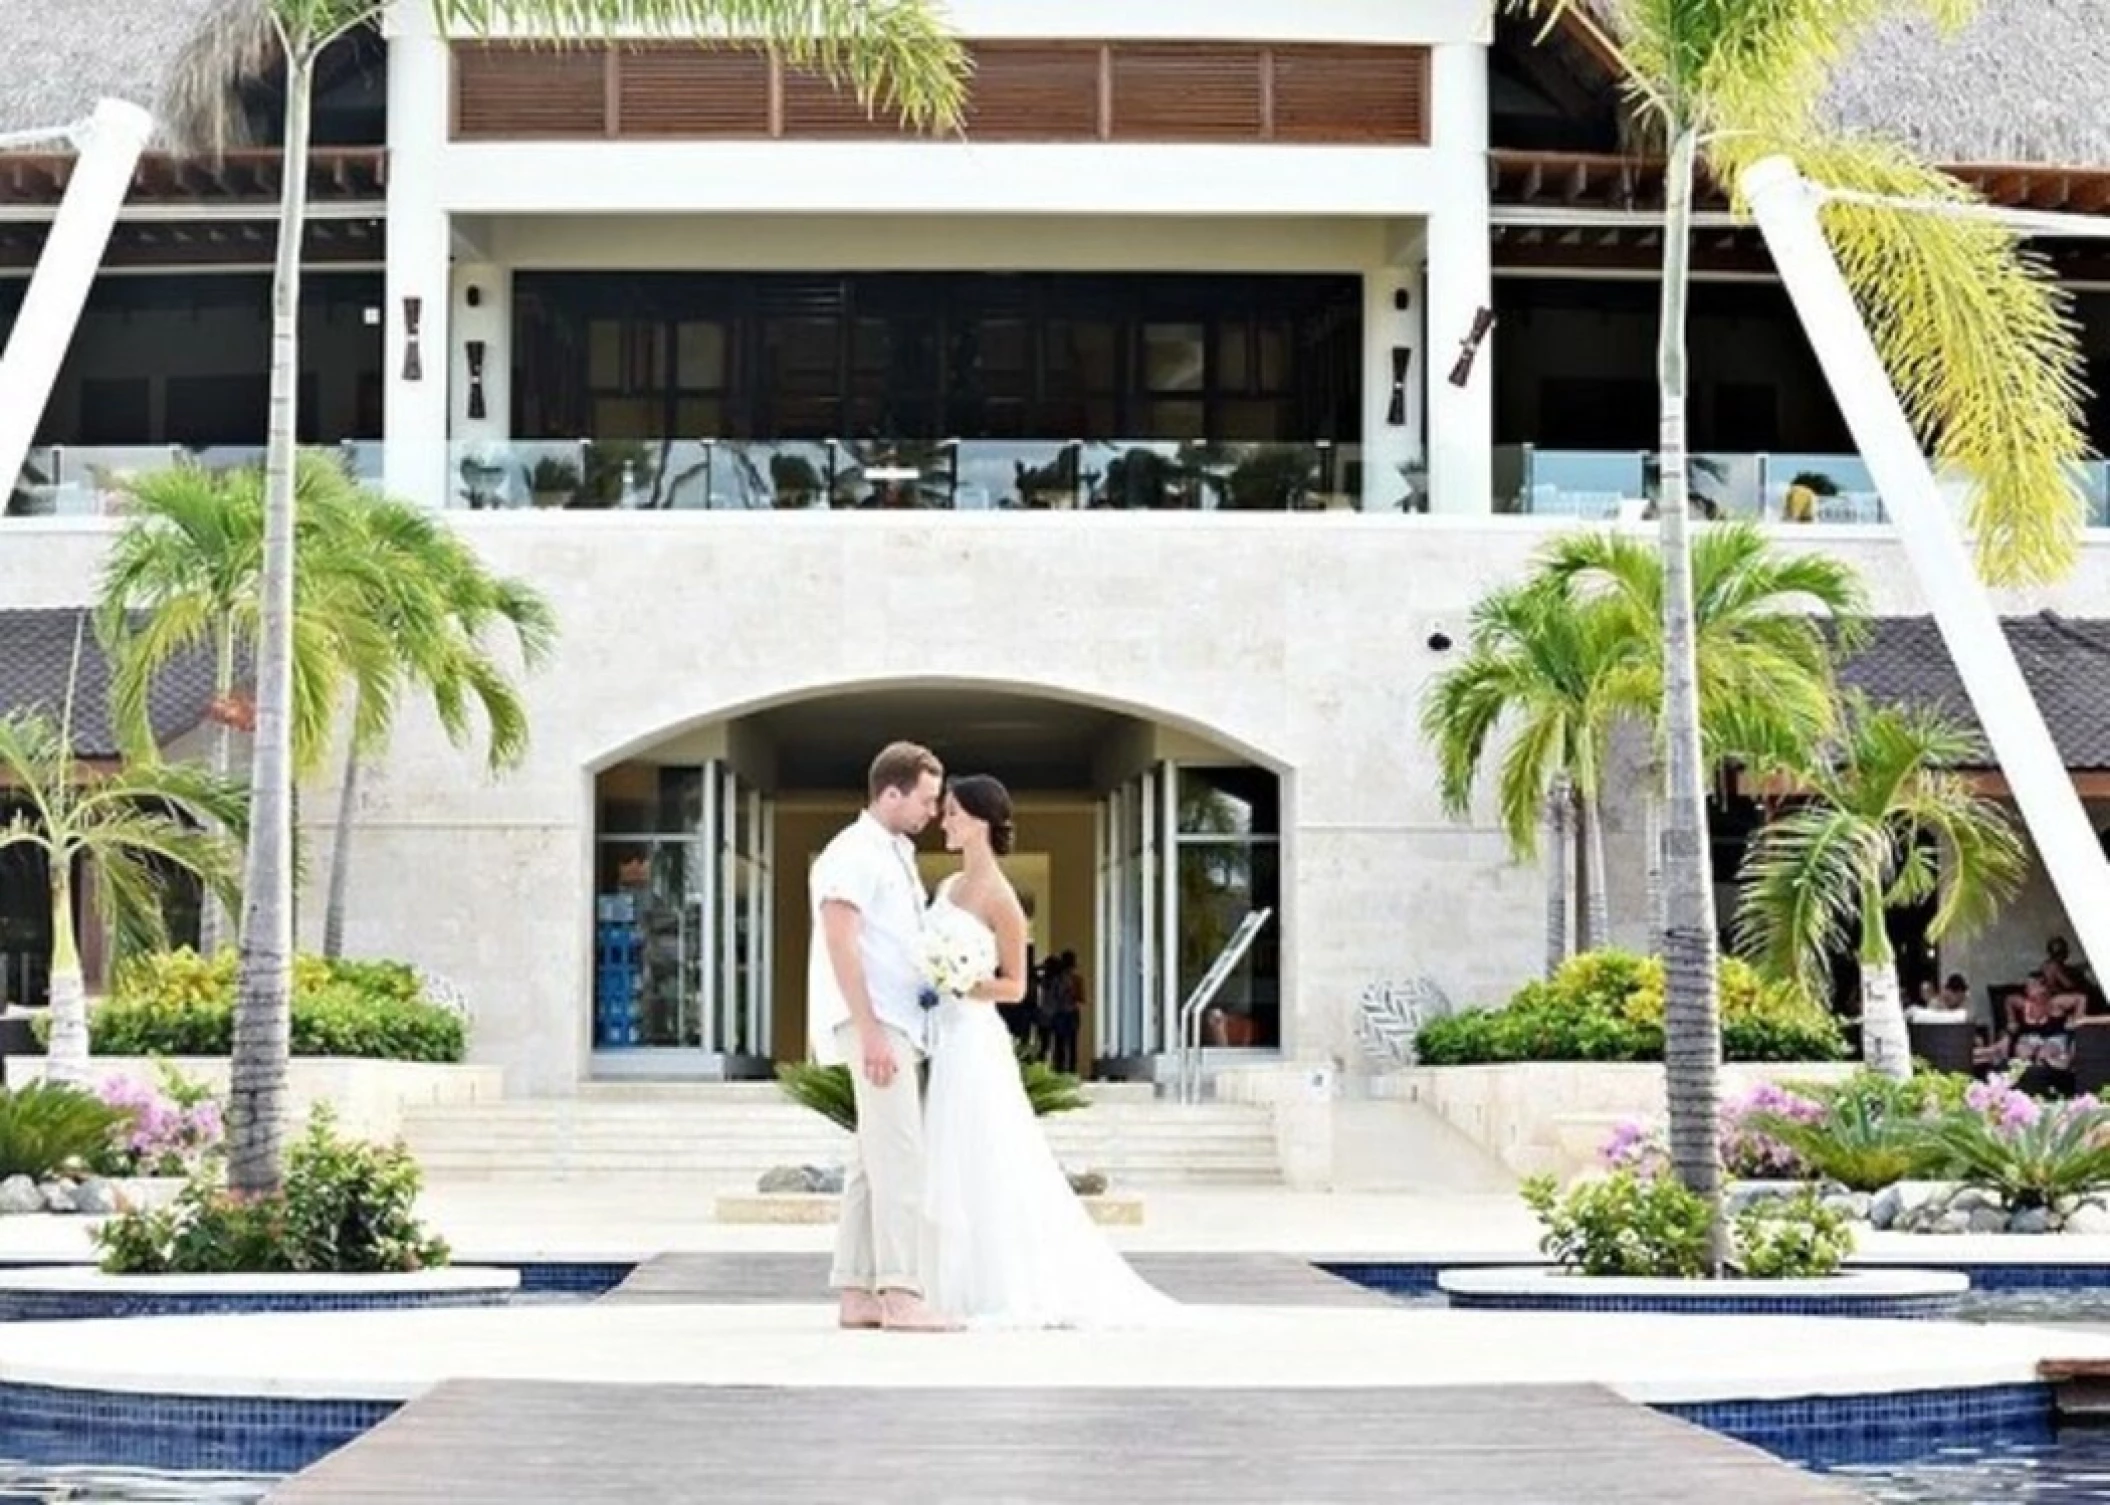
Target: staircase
point(728, 1134)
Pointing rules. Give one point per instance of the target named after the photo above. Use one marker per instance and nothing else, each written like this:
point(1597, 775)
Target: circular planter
point(70, 1292)
point(1853, 1293)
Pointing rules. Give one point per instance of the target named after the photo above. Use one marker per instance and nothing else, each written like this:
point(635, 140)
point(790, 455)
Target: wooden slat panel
point(1034, 91)
point(514, 92)
point(679, 90)
point(1352, 94)
point(816, 109)
point(1186, 92)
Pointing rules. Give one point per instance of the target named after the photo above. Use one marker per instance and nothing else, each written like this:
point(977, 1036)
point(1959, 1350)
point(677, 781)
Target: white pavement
point(633, 1219)
point(1648, 1358)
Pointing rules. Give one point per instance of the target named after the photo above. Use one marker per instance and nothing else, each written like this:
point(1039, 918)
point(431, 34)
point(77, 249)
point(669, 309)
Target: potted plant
point(794, 480)
point(553, 481)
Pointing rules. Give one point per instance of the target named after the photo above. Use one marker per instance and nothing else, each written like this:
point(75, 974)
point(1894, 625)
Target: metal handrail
point(1188, 1060)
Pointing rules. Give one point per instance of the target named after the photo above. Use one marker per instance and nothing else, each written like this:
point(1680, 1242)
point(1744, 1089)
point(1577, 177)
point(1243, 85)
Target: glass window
point(1173, 357)
point(1219, 883)
point(648, 951)
point(1239, 801)
point(699, 356)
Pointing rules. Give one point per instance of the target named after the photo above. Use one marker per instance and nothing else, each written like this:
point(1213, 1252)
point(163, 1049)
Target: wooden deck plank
point(489, 1443)
point(736, 1278)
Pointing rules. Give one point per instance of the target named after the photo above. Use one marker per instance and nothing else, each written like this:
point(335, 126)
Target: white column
point(1461, 424)
point(58, 290)
point(415, 466)
point(1391, 448)
point(1786, 209)
point(483, 310)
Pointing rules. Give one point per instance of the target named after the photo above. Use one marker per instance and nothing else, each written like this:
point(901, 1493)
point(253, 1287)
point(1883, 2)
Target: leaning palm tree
point(1551, 673)
point(437, 608)
point(1767, 626)
point(131, 827)
point(893, 51)
point(1884, 822)
point(1972, 333)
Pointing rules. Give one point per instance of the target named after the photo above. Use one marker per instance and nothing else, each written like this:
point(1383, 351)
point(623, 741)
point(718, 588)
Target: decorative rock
point(1088, 1183)
point(1854, 1204)
point(1971, 1199)
point(2090, 1219)
point(58, 1196)
point(19, 1194)
point(784, 1178)
point(95, 1196)
point(1951, 1222)
point(1987, 1220)
point(827, 1180)
point(1885, 1207)
point(2030, 1220)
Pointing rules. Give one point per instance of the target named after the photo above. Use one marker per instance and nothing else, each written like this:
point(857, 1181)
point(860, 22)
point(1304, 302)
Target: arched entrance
point(1142, 846)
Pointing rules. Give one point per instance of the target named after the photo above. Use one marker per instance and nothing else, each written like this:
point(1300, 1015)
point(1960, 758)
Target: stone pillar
point(1460, 283)
point(415, 466)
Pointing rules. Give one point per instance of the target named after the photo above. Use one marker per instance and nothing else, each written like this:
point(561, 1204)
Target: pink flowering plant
point(1749, 1151)
point(2053, 1155)
point(168, 1129)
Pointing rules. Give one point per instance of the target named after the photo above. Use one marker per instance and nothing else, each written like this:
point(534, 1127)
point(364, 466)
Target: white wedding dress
point(1007, 1243)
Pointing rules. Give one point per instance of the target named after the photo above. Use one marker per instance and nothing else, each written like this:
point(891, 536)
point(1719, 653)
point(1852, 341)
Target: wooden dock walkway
point(493, 1443)
point(736, 1279)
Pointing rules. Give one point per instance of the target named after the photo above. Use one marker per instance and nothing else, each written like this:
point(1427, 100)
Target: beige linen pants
point(881, 1230)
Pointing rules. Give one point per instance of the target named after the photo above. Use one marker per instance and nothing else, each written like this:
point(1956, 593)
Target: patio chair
point(1944, 1044)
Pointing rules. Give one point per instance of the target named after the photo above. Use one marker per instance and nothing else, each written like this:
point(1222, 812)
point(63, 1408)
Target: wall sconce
point(1469, 347)
point(476, 379)
point(1402, 359)
point(413, 362)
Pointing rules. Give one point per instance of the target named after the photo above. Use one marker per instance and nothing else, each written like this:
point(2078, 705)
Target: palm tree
point(1762, 652)
point(1556, 671)
point(1975, 337)
point(129, 826)
point(893, 51)
point(1883, 822)
point(437, 607)
point(185, 575)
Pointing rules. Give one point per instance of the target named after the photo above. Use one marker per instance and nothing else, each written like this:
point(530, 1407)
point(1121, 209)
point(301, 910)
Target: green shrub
point(1629, 1223)
point(1624, 1224)
point(178, 1003)
point(347, 1207)
point(46, 1127)
point(1792, 1238)
point(828, 1092)
point(1867, 1138)
point(1608, 1006)
point(2053, 1155)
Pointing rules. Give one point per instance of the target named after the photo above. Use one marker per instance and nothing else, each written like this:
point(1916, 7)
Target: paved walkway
point(516, 1444)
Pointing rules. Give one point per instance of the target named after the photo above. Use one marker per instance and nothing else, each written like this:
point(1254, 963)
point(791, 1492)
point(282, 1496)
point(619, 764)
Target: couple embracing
point(954, 1210)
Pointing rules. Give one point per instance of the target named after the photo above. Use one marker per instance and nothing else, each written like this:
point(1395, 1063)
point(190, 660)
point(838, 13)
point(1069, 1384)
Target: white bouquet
point(953, 962)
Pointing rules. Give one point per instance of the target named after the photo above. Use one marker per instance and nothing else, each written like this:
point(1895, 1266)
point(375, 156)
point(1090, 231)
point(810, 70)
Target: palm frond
point(1802, 891)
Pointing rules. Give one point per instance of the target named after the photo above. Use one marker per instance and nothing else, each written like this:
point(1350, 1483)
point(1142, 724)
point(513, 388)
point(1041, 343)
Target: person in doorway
point(865, 1009)
point(1062, 1003)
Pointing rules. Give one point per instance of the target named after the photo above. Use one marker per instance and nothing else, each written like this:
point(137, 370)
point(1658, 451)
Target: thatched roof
point(67, 54)
point(2023, 83)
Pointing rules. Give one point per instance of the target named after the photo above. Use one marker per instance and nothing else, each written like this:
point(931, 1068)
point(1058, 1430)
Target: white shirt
point(874, 871)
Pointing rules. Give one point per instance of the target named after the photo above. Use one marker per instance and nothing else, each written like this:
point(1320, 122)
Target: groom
point(864, 982)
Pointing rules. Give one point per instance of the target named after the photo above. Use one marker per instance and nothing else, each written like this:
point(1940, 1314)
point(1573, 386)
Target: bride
point(1008, 1244)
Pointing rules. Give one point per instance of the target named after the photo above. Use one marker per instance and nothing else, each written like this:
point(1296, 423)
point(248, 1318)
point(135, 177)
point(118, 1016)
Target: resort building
point(1147, 446)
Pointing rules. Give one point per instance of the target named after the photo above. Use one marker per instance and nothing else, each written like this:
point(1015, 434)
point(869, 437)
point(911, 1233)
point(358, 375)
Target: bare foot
point(861, 1309)
point(904, 1312)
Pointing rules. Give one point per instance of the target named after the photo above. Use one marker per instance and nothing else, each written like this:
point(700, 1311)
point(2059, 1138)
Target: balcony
point(1603, 485)
point(88, 480)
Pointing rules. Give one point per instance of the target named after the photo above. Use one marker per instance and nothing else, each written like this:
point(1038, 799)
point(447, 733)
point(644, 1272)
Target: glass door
point(745, 921)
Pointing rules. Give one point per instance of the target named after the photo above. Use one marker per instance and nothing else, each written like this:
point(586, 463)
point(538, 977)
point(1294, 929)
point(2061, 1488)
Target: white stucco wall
point(1298, 638)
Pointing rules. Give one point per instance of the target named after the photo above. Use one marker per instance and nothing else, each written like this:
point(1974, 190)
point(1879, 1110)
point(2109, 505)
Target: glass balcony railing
point(1786, 487)
point(89, 480)
point(953, 475)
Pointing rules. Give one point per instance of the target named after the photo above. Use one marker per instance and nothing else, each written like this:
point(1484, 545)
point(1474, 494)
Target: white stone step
point(730, 1133)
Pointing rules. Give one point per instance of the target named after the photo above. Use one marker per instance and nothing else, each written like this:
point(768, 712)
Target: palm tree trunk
point(1692, 1050)
point(1597, 917)
point(66, 1055)
point(1652, 835)
point(263, 983)
point(1556, 875)
point(341, 855)
point(1886, 1045)
point(214, 929)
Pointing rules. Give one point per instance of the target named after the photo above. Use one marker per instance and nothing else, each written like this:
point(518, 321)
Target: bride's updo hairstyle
point(988, 800)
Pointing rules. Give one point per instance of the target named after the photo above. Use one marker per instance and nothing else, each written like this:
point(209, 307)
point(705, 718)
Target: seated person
point(2066, 977)
point(2039, 1038)
point(1955, 993)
